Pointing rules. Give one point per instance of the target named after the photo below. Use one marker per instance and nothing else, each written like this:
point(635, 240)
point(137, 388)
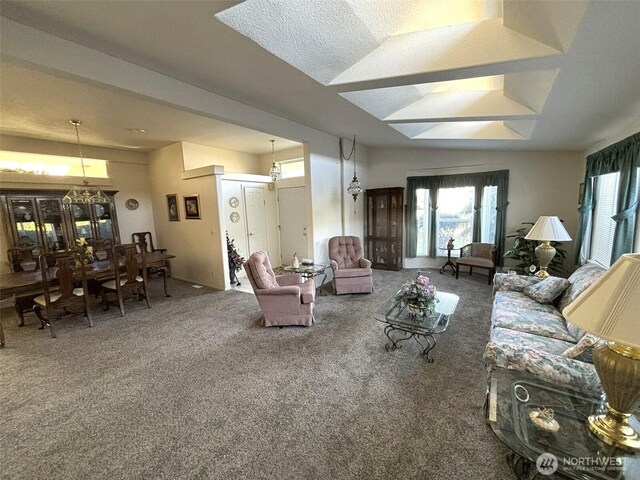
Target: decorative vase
point(450, 244)
point(295, 263)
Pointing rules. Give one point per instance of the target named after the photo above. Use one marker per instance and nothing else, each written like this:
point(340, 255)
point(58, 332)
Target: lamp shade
point(548, 229)
point(610, 307)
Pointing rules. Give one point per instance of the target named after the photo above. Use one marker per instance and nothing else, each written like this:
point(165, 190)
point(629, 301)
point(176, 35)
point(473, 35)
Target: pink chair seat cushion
point(352, 272)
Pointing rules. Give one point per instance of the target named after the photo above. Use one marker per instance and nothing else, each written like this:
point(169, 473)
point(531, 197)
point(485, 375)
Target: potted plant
point(235, 261)
point(524, 252)
point(418, 297)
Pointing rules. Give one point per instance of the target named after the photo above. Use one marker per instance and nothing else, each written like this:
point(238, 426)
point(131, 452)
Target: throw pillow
point(585, 343)
point(547, 290)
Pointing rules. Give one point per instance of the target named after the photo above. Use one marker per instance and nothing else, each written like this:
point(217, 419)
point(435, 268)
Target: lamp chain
point(75, 124)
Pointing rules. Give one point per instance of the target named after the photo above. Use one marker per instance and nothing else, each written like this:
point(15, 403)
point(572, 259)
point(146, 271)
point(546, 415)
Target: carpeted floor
point(195, 388)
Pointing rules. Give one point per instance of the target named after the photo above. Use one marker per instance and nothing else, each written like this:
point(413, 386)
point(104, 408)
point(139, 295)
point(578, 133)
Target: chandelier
point(274, 171)
point(83, 193)
point(354, 189)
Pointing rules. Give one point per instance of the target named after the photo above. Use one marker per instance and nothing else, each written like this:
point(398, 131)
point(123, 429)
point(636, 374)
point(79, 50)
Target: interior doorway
point(256, 215)
point(292, 214)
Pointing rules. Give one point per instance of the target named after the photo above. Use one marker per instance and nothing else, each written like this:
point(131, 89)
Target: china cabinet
point(40, 218)
point(383, 227)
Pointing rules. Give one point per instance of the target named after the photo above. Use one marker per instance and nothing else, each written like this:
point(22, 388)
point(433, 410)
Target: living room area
point(300, 130)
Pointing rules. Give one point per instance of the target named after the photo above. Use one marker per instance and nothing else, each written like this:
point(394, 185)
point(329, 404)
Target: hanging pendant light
point(274, 171)
point(354, 189)
point(83, 193)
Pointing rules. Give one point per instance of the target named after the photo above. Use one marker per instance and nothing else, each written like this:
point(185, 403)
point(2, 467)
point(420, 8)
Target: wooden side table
point(449, 262)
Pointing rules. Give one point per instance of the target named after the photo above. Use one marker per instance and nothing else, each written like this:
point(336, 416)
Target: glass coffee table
point(421, 329)
point(310, 271)
point(572, 450)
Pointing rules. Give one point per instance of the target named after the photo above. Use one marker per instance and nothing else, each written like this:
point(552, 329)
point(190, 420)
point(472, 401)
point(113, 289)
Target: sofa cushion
point(579, 281)
point(547, 290)
point(518, 316)
point(519, 301)
point(582, 349)
point(541, 356)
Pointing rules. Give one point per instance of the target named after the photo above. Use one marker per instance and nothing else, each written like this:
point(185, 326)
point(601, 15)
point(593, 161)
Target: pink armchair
point(351, 271)
point(283, 299)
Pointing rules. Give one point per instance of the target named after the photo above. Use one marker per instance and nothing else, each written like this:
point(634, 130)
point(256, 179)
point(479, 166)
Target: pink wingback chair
point(283, 299)
point(351, 271)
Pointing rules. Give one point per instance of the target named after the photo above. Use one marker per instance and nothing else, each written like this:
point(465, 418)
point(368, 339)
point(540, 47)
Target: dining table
point(30, 283)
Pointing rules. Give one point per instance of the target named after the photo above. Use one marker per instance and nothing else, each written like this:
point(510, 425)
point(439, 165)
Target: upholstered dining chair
point(66, 294)
point(479, 255)
point(351, 271)
point(283, 299)
point(129, 275)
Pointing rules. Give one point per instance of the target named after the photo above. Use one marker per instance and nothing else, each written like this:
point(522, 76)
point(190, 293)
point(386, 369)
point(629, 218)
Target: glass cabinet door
point(51, 224)
point(104, 220)
point(25, 222)
point(81, 216)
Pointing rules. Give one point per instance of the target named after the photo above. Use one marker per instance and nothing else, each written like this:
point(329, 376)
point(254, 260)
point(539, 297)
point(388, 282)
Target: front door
point(292, 212)
point(256, 213)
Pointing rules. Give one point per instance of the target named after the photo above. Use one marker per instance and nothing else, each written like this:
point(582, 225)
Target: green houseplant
point(235, 261)
point(523, 251)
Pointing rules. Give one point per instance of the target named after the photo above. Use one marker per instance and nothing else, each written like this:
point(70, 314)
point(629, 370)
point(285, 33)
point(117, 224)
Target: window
point(489, 214)
point(292, 169)
point(454, 216)
point(602, 225)
point(422, 221)
point(40, 164)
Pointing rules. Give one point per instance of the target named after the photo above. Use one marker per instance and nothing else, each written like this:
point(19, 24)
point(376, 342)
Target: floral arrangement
point(83, 252)
point(419, 296)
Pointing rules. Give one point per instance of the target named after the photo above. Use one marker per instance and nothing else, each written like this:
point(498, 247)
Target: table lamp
point(547, 229)
point(610, 309)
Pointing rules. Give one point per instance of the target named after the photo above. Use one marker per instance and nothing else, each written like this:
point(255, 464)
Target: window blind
point(606, 196)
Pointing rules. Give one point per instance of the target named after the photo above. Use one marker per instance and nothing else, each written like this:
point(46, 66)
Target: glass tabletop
point(581, 455)
point(394, 313)
point(316, 268)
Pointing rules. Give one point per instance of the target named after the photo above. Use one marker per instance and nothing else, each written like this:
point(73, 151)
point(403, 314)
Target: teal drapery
point(499, 178)
point(623, 157)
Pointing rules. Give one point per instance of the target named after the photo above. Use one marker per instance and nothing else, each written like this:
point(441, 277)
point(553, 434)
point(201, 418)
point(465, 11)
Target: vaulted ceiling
point(526, 74)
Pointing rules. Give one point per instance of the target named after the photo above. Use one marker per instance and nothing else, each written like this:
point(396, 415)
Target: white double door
point(292, 214)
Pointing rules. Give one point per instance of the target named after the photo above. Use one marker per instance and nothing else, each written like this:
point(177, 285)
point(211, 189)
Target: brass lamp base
point(618, 367)
point(544, 253)
point(613, 428)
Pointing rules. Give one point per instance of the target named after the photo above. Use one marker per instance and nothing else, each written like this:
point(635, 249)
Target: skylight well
point(426, 62)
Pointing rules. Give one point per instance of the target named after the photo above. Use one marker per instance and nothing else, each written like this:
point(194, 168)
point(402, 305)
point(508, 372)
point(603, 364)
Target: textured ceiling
point(383, 48)
point(583, 88)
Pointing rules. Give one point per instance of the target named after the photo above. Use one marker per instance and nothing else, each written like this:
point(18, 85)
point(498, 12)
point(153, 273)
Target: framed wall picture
point(192, 207)
point(172, 207)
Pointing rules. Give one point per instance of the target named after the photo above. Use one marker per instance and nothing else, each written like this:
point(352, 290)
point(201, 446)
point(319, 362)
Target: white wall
point(196, 243)
point(196, 156)
point(540, 183)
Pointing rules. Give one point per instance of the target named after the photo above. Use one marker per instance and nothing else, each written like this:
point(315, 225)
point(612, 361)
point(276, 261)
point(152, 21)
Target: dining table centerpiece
point(418, 297)
point(82, 253)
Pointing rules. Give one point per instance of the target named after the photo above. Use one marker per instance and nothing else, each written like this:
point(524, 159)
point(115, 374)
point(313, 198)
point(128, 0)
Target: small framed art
point(191, 207)
point(172, 207)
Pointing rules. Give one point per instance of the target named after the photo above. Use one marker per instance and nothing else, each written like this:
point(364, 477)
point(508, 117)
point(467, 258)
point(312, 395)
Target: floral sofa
point(531, 336)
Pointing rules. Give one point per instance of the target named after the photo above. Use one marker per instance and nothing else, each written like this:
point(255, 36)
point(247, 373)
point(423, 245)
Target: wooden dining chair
point(165, 268)
point(7, 302)
point(61, 289)
point(129, 275)
point(25, 259)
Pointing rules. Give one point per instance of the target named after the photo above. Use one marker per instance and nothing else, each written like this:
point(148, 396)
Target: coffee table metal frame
point(397, 319)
